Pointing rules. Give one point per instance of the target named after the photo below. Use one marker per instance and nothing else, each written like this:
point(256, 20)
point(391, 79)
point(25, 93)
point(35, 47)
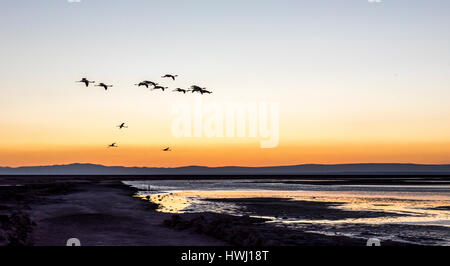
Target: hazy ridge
point(95, 169)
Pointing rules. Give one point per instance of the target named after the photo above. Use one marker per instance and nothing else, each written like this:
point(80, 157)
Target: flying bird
point(104, 85)
point(150, 83)
point(142, 84)
point(112, 145)
point(122, 126)
point(205, 91)
point(160, 88)
point(170, 76)
point(166, 149)
point(85, 81)
point(195, 88)
point(180, 90)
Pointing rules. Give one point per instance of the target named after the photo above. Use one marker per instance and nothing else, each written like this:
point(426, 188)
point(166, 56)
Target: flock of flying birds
point(147, 84)
point(156, 86)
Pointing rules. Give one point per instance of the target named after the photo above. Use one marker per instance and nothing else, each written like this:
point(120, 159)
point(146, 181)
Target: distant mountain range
point(303, 169)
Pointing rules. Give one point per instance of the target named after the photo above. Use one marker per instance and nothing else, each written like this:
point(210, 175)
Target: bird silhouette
point(195, 88)
point(204, 90)
point(180, 90)
point(85, 81)
point(159, 88)
point(104, 85)
point(112, 145)
point(150, 83)
point(122, 126)
point(142, 84)
point(170, 76)
point(166, 149)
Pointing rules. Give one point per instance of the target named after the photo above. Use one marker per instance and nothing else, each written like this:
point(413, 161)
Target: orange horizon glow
point(231, 155)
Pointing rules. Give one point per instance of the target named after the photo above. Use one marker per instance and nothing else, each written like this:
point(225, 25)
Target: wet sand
point(97, 213)
point(106, 213)
point(405, 214)
point(49, 211)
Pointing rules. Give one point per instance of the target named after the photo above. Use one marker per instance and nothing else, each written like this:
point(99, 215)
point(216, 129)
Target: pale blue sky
point(218, 38)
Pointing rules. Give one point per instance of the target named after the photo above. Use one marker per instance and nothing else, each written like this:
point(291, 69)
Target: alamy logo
point(373, 242)
point(73, 242)
point(227, 120)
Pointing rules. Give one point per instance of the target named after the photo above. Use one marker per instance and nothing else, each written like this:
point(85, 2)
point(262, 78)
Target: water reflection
point(409, 210)
point(426, 205)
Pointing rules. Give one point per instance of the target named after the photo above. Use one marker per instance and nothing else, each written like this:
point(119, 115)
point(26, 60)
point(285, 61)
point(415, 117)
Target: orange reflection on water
point(416, 209)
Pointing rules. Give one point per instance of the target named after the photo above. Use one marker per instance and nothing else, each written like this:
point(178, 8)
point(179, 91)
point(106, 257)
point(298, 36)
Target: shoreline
point(317, 179)
point(104, 212)
point(100, 213)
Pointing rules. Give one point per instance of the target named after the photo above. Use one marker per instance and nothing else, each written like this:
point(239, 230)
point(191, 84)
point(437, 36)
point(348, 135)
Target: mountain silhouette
point(303, 169)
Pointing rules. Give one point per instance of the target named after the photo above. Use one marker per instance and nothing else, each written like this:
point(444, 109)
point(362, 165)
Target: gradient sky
point(356, 81)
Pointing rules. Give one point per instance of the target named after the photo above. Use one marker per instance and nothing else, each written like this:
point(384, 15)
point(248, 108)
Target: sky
point(355, 81)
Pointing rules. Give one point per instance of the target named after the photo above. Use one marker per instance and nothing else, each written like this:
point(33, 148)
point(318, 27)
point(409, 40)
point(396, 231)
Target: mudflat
point(95, 212)
point(47, 211)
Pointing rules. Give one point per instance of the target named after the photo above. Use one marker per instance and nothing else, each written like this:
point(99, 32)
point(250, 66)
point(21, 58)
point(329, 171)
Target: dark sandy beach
point(97, 213)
